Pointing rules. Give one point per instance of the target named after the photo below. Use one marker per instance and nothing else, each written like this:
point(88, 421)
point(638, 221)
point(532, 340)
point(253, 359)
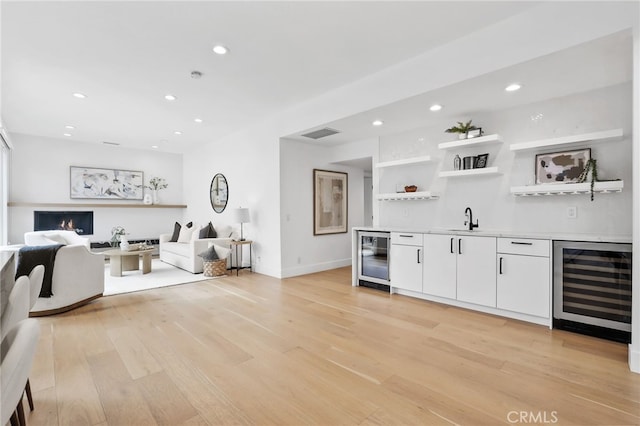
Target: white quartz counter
point(508, 234)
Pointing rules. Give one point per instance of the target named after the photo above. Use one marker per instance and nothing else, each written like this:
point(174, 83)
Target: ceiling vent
point(317, 134)
point(111, 143)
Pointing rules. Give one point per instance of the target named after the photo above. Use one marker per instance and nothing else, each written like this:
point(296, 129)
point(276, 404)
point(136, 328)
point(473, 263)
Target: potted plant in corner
point(155, 185)
point(462, 129)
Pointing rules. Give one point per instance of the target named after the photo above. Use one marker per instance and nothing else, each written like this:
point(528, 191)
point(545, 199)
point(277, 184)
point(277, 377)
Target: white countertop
point(507, 234)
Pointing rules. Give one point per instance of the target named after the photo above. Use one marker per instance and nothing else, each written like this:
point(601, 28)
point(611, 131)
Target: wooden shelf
point(400, 196)
point(482, 140)
point(470, 172)
point(406, 161)
point(568, 140)
point(567, 188)
point(100, 205)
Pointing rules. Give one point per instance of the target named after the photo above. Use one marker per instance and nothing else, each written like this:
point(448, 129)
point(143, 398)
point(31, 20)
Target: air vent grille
point(111, 143)
point(317, 134)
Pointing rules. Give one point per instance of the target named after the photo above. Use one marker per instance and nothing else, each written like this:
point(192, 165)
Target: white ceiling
point(600, 63)
point(125, 56)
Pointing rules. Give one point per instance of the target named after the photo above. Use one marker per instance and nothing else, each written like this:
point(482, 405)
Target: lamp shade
point(241, 215)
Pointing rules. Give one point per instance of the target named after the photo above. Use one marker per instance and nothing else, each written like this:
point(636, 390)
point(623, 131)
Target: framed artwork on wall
point(108, 184)
point(329, 202)
point(562, 166)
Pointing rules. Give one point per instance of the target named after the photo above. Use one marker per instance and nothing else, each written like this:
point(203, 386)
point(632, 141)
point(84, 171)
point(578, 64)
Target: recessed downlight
point(79, 95)
point(170, 97)
point(513, 87)
point(69, 127)
point(198, 120)
point(66, 134)
point(177, 132)
point(435, 107)
point(378, 123)
point(220, 49)
point(154, 146)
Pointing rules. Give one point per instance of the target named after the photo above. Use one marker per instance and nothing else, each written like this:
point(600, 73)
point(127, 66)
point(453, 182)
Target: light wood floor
point(313, 350)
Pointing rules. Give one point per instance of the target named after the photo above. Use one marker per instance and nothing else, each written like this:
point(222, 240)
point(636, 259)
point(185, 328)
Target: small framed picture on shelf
point(474, 133)
point(562, 166)
point(481, 161)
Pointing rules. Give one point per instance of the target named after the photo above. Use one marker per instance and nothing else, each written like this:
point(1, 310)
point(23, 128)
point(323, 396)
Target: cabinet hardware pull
point(451, 246)
point(406, 236)
point(459, 246)
point(521, 243)
point(418, 255)
point(501, 266)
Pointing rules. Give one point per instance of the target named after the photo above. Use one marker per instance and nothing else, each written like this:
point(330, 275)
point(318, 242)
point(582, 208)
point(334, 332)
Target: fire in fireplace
point(78, 221)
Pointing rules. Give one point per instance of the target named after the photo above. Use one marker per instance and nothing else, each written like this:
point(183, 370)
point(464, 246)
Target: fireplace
point(80, 222)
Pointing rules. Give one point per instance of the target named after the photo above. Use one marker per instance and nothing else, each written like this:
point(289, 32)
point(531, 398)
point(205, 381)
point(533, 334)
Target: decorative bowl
point(410, 188)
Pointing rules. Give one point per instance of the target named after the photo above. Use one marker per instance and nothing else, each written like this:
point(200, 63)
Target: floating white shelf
point(482, 140)
point(567, 188)
point(470, 172)
point(568, 140)
point(399, 196)
point(405, 161)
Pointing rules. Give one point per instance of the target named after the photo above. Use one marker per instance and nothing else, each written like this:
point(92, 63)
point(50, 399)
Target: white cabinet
point(524, 276)
point(439, 267)
point(476, 270)
point(460, 267)
point(405, 267)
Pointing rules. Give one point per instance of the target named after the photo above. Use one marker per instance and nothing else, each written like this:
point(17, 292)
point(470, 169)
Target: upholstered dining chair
point(17, 351)
point(35, 278)
point(18, 305)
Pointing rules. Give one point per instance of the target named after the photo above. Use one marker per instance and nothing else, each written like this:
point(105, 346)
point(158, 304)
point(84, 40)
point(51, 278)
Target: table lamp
point(241, 215)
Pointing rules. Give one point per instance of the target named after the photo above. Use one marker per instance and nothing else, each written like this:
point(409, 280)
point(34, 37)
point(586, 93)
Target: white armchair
point(78, 274)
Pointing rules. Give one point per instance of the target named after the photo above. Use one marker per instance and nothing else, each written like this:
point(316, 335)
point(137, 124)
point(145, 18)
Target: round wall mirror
point(219, 193)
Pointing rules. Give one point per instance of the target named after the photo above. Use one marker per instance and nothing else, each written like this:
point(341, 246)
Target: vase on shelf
point(457, 161)
point(156, 197)
point(148, 199)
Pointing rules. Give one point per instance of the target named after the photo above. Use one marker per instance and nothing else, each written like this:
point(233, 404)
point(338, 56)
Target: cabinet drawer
point(524, 246)
point(406, 238)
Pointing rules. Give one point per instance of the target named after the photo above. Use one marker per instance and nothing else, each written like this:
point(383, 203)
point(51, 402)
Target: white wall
point(40, 174)
point(489, 196)
point(303, 251)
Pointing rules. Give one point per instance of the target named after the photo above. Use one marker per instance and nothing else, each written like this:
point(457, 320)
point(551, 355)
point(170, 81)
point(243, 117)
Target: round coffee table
point(124, 260)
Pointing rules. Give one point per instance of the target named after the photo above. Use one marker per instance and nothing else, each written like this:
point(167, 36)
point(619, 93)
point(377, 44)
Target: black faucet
point(469, 214)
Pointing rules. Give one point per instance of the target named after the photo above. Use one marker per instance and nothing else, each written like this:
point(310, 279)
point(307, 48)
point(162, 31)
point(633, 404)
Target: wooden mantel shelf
point(99, 205)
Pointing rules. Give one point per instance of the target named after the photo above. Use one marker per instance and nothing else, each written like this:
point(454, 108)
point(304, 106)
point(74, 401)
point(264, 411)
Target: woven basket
point(214, 268)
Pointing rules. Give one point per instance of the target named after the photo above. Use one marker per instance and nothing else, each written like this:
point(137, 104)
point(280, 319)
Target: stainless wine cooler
point(592, 288)
point(373, 253)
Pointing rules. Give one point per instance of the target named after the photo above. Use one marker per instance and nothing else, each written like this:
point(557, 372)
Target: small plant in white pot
point(155, 185)
point(462, 129)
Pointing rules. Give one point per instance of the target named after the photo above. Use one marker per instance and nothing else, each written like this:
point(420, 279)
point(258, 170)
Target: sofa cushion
point(209, 254)
point(207, 231)
point(178, 248)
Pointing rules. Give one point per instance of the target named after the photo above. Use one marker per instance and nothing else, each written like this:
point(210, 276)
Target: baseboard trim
point(316, 267)
point(634, 358)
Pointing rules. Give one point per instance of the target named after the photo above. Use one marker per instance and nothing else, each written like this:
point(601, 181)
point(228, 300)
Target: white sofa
point(185, 255)
point(78, 274)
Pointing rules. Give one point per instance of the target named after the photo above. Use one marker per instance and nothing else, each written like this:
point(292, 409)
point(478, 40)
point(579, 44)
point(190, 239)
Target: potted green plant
point(462, 129)
point(116, 235)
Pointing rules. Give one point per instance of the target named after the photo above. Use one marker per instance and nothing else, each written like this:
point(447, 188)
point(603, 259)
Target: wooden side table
point(122, 260)
point(238, 245)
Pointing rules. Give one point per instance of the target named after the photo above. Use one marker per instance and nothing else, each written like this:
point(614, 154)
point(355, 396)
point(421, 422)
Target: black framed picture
point(474, 133)
point(481, 161)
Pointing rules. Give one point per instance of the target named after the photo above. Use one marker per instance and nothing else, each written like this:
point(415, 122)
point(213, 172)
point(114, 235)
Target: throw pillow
point(222, 252)
point(212, 231)
point(209, 254)
point(176, 233)
point(204, 232)
point(185, 234)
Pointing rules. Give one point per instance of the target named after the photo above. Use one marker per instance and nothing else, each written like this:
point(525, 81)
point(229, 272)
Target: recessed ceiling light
point(378, 123)
point(69, 127)
point(435, 107)
point(67, 134)
point(177, 132)
point(170, 97)
point(198, 120)
point(512, 87)
point(220, 49)
point(79, 95)
point(154, 146)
